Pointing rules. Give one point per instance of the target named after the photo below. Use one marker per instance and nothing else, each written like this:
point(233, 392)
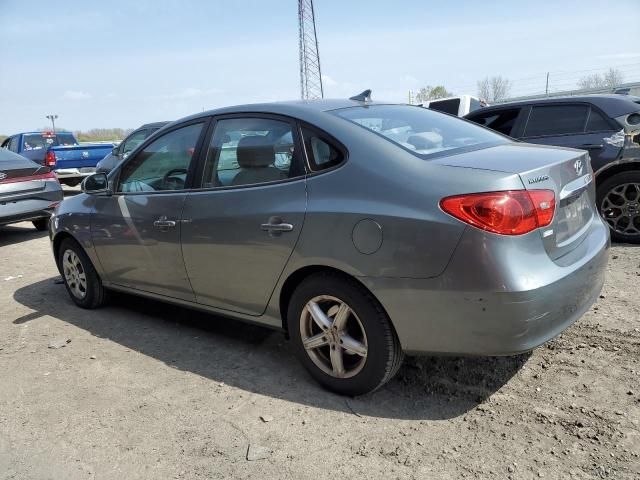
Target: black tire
point(384, 353)
point(605, 190)
point(72, 182)
point(41, 224)
point(95, 295)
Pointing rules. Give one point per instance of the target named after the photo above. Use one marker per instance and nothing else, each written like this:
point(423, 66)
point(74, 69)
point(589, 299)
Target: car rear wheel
point(619, 204)
point(80, 278)
point(342, 335)
point(41, 224)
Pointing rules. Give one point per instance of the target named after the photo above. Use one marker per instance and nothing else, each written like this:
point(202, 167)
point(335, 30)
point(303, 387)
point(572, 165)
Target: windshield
point(36, 141)
point(420, 130)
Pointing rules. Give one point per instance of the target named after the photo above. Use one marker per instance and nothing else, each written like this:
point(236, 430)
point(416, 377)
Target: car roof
point(613, 105)
point(294, 108)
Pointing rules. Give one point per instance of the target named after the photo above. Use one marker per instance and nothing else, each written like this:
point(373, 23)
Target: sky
point(117, 63)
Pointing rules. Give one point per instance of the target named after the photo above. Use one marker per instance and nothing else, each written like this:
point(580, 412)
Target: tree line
point(497, 88)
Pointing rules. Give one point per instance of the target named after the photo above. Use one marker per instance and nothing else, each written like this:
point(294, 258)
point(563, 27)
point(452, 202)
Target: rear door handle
point(276, 226)
point(164, 224)
point(591, 145)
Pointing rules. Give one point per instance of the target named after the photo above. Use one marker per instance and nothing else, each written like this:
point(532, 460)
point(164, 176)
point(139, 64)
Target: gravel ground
point(145, 390)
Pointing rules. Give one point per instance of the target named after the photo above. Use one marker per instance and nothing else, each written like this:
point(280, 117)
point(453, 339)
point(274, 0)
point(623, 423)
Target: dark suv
point(608, 126)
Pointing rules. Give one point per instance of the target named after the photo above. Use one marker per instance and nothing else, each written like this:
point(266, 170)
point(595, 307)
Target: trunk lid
point(565, 171)
point(15, 171)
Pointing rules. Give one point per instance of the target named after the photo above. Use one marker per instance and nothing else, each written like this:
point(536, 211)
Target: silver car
point(363, 230)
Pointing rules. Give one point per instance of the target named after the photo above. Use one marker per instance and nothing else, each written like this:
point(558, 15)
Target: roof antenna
point(362, 97)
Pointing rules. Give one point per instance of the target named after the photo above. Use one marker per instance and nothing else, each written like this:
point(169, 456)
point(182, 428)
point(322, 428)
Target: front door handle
point(164, 224)
point(276, 226)
point(591, 145)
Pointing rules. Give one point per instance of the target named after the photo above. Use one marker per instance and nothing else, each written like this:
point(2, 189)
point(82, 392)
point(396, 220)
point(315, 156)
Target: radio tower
point(310, 75)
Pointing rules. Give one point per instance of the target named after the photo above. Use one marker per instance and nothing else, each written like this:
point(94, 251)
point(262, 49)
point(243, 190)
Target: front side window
point(501, 121)
point(247, 151)
point(556, 120)
point(163, 164)
point(133, 141)
point(420, 130)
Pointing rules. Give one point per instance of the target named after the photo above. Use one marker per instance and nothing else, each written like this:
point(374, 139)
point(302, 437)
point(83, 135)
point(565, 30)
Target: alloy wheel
point(333, 336)
point(74, 274)
point(621, 208)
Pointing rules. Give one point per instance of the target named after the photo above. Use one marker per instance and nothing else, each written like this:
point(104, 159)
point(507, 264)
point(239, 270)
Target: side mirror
point(96, 183)
point(114, 151)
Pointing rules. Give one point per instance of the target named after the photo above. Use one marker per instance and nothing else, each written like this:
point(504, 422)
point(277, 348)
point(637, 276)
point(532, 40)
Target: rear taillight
point(29, 178)
point(513, 212)
point(50, 159)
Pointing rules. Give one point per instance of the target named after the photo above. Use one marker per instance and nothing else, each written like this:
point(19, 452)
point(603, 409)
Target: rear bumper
point(74, 172)
point(490, 302)
point(25, 207)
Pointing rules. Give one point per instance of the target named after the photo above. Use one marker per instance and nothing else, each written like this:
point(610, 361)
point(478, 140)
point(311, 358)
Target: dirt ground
point(143, 390)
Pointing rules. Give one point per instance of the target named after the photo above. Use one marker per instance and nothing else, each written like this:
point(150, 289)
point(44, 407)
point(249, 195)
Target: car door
point(241, 227)
point(575, 125)
point(136, 231)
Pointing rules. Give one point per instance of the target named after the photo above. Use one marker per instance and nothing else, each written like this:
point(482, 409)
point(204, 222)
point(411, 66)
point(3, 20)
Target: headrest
point(255, 151)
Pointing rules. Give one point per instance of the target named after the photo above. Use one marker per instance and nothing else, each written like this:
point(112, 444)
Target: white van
point(459, 105)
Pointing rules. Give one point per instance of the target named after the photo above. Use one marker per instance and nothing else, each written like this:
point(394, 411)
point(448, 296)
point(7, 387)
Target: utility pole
point(310, 74)
point(53, 118)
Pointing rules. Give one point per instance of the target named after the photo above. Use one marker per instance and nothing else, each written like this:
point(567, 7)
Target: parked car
point(364, 230)
point(607, 126)
point(459, 105)
point(125, 147)
point(28, 191)
point(59, 151)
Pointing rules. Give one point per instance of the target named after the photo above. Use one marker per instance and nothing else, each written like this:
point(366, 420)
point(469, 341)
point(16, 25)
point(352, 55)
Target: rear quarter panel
point(382, 183)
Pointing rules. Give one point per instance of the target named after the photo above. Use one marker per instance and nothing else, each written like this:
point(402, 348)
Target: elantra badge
point(579, 166)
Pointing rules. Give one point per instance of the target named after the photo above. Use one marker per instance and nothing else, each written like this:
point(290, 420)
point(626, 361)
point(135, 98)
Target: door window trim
point(299, 156)
point(195, 159)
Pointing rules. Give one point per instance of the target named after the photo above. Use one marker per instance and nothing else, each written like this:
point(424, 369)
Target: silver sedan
point(364, 230)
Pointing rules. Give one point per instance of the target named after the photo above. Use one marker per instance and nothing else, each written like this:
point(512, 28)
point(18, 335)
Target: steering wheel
point(172, 181)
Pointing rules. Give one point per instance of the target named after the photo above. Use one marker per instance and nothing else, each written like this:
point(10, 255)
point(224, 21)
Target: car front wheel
point(80, 278)
point(619, 204)
point(342, 335)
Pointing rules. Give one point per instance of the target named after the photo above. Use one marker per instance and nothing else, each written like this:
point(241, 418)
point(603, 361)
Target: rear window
point(420, 130)
point(37, 141)
point(451, 106)
point(556, 120)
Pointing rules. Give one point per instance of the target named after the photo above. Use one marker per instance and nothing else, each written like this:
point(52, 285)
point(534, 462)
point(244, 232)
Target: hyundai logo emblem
point(3, 175)
point(579, 166)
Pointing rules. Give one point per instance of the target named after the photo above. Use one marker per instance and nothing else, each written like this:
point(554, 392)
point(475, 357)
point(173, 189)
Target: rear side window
point(556, 120)
point(249, 151)
point(501, 121)
point(447, 106)
point(596, 122)
point(321, 152)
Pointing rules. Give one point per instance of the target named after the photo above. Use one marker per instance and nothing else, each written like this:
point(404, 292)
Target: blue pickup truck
point(61, 152)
